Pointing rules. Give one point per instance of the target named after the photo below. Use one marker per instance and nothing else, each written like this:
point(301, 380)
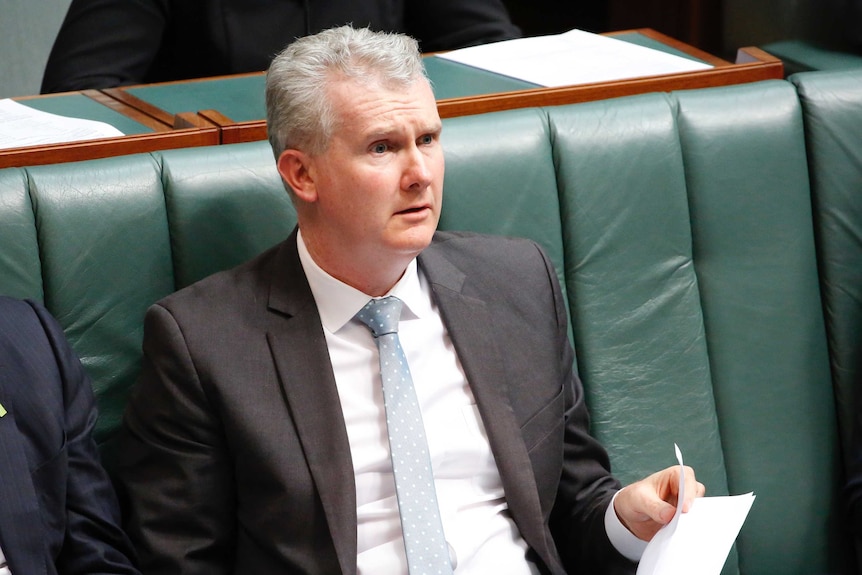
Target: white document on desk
point(697, 541)
point(571, 58)
point(22, 125)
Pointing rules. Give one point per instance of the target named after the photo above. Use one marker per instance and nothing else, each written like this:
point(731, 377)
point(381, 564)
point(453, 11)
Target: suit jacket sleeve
point(92, 541)
point(177, 485)
point(448, 24)
point(105, 43)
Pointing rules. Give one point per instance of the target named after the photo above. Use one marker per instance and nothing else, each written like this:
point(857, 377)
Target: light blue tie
point(427, 550)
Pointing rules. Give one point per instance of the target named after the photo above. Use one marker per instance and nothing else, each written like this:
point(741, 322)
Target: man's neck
point(375, 279)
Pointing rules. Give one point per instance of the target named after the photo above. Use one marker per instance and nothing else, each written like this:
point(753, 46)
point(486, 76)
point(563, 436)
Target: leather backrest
point(225, 204)
point(105, 257)
point(753, 246)
point(832, 105)
point(20, 270)
point(633, 291)
point(694, 294)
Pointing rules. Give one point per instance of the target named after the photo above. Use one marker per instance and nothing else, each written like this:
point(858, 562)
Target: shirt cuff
point(621, 538)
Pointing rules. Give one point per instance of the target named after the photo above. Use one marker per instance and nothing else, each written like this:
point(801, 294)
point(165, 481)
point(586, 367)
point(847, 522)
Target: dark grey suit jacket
point(58, 511)
point(236, 457)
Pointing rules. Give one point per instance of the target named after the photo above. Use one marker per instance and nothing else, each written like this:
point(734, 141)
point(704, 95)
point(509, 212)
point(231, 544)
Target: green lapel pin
point(2, 410)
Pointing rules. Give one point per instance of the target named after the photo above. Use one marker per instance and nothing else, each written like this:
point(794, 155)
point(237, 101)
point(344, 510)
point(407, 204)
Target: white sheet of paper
point(697, 541)
point(571, 58)
point(21, 126)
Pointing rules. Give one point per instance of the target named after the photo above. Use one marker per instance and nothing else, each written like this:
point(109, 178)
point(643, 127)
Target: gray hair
point(298, 112)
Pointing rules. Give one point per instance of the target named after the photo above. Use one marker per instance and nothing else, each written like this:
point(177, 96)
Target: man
point(58, 511)
point(256, 440)
point(106, 43)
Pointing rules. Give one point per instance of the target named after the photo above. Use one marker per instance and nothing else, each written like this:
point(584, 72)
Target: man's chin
point(413, 244)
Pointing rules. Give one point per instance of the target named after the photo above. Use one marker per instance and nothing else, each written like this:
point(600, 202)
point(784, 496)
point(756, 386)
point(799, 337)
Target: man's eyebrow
point(379, 133)
point(384, 133)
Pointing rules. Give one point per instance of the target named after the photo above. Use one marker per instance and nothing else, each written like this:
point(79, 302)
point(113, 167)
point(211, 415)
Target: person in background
point(854, 25)
point(58, 510)
point(107, 43)
point(266, 433)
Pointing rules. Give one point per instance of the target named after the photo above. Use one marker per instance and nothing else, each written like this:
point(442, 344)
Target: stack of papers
point(24, 126)
point(571, 58)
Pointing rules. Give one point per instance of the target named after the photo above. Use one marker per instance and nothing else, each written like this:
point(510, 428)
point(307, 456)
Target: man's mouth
point(413, 210)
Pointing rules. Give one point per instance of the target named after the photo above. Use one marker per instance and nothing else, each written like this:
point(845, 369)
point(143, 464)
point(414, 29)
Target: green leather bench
point(832, 106)
point(682, 229)
point(802, 56)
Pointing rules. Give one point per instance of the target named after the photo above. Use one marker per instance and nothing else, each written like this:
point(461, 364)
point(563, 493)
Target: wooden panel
point(235, 132)
point(107, 147)
point(124, 99)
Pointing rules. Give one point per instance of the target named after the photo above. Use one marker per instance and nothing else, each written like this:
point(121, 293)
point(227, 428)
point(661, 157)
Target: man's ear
point(295, 169)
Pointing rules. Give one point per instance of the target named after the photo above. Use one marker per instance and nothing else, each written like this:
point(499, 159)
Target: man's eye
point(379, 148)
point(426, 139)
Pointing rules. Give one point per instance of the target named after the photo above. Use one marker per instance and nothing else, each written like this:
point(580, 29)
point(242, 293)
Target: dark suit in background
point(105, 43)
point(236, 423)
point(58, 511)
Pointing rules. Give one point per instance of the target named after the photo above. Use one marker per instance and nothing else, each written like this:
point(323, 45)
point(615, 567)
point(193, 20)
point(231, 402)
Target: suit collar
point(289, 293)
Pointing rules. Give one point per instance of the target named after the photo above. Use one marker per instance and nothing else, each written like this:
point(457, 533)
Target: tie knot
point(381, 315)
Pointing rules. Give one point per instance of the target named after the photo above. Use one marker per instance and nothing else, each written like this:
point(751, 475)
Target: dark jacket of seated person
point(58, 510)
point(106, 43)
point(853, 488)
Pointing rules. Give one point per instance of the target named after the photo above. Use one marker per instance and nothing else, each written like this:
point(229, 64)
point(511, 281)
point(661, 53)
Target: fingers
point(641, 510)
point(665, 513)
point(693, 489)
point(647, 505)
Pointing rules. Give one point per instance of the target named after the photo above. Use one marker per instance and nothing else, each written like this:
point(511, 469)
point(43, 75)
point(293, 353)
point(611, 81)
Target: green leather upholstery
point(105, 258)
point(682, 229)
point(801, 56)
point(832, 105)
point(754, 254)
point(633, 290)
point(20, 267)
point(225, 205)
point(632, 285)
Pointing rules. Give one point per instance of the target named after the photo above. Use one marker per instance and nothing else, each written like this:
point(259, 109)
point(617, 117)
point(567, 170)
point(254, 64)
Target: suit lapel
point(302, 359)
point(20, 534)
point(470, 326)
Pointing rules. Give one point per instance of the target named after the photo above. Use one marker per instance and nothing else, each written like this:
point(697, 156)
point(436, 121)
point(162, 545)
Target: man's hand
point(646, 506)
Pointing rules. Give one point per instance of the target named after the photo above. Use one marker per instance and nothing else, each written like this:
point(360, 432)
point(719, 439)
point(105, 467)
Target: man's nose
point(417, 170)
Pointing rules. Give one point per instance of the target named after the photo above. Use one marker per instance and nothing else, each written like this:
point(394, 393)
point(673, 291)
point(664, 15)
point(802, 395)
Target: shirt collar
point(338, 302)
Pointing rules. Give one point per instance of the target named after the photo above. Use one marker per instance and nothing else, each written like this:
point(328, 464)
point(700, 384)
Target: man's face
point(378, 186)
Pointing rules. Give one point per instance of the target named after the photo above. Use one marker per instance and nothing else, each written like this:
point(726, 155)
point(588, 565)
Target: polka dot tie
point(427, 550)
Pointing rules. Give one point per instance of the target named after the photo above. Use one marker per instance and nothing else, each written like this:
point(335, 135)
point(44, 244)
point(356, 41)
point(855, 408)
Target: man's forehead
point(381, 107)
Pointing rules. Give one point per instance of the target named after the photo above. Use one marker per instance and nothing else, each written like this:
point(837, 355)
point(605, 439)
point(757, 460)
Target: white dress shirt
point(482, 536)
point(4, 569)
